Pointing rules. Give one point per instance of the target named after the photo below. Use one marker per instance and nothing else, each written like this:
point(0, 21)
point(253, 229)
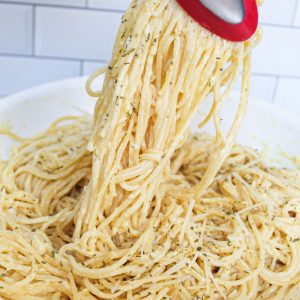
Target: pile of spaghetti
point(130, 205)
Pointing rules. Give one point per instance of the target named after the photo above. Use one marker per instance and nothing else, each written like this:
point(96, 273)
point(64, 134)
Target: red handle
point(232, 32)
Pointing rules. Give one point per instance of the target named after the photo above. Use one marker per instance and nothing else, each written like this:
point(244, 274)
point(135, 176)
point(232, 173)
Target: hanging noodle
point(131, 205)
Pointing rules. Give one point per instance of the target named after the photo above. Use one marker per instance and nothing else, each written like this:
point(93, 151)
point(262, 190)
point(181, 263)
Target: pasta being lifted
point(131, 205)
point(164, 65)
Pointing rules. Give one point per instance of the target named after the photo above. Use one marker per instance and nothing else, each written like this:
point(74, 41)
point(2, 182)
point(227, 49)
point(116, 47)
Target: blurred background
point(47, 40)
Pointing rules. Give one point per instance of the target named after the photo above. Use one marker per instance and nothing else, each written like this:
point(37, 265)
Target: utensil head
point(233, 20)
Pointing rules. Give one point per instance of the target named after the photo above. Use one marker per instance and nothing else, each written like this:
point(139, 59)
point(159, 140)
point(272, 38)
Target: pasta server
point(233, 20)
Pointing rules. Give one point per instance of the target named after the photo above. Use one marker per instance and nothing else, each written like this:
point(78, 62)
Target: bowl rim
point(63, 84)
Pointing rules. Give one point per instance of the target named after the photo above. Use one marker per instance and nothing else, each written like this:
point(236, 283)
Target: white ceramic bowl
point(266, 127)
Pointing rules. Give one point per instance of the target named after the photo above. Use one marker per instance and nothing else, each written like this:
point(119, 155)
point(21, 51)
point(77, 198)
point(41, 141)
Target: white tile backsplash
point(261, 86)
point(75, 33)
point(17, 73)
point(288, 96)
point(71, 36)
point(90, 67)
point(77, 3)
point(16, 29)
point(277, 12)
point(278, 53)
point(111, 4)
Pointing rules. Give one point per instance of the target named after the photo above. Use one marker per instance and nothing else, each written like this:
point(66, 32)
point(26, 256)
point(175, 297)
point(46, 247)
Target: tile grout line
point(279, 25)
point(75, 59)
point(283, 26)
point(81, 67)
point(295, 13)
point(103, 61)
point(86, 8)
point(275, 89)
point(33, 30)
point(264, 75)
point(269, 75)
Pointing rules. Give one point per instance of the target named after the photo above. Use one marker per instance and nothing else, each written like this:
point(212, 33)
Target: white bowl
point(266, 127)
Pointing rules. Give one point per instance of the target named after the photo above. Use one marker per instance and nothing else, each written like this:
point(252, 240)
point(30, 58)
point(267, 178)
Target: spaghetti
point(131, 205)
